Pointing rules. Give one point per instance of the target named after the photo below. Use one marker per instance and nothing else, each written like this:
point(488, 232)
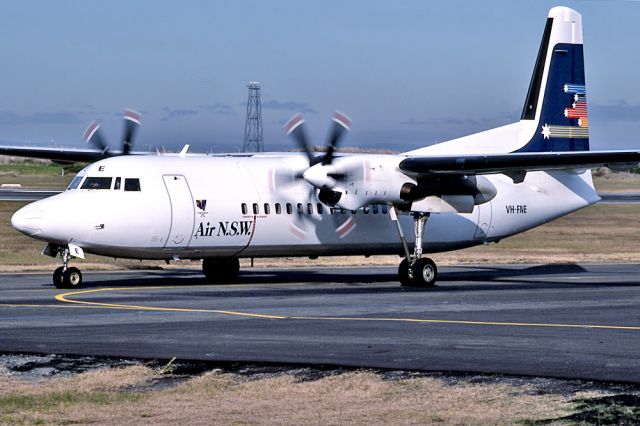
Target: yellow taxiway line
point(65, 297)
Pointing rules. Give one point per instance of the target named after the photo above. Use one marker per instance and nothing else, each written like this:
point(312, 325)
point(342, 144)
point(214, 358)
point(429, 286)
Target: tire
point(222, 270)
point(72, 278)
point(425, 272)
point(403, 274)
point(57, 277)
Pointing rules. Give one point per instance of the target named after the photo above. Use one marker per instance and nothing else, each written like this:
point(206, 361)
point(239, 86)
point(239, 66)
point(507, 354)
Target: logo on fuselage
point(235, 228)
point(202, 206)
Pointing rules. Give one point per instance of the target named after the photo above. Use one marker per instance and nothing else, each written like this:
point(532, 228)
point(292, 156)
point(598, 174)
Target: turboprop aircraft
point(219, 208)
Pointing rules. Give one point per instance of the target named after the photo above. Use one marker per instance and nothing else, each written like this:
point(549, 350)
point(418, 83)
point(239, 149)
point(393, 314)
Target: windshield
point(74, 183)
point(97, 183)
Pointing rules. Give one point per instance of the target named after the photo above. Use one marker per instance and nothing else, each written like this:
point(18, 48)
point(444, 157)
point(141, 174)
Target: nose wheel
point(65, 276)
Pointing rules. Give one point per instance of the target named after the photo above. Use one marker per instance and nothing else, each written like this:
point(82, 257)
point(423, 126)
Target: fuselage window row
point(300, 209)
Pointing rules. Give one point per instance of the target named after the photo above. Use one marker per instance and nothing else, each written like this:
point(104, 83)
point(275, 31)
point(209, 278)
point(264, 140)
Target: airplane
point(469, 191)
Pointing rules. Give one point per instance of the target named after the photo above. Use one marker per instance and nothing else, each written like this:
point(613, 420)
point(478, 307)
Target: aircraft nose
point(28, 220)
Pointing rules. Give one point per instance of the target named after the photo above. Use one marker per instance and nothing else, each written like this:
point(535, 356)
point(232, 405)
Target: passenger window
point(244, 208)
point(255, 208)
point(320, 209)
point(267, 209)
point(374, 209)
point(289, 208)
point(309, 208)
point(116, 185)
point(384, 209)
point(278, 208)
point(75, 182)
point(97, 183)
point(365, 209)
point(132, 184)
point(300, 208)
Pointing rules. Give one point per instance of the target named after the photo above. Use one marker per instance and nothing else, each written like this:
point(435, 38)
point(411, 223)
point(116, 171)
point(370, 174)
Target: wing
point(70, 155)
point(515, 162)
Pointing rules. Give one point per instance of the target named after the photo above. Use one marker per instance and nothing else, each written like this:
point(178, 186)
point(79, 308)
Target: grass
point(359, 398)
point(37, 175)
point(607, 181)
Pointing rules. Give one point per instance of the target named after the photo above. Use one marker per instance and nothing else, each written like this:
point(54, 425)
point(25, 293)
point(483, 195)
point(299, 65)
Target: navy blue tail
point(562, 123)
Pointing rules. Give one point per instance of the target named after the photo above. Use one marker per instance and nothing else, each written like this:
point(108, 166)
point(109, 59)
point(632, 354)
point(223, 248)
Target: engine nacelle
point(352, 182)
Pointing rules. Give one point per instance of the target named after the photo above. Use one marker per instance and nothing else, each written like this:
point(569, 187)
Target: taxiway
point(572, 321)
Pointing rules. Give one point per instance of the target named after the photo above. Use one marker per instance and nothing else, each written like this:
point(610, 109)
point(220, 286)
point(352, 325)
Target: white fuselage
point(256, 206)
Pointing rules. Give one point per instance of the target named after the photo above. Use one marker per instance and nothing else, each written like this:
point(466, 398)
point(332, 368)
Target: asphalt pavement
point(570, 321)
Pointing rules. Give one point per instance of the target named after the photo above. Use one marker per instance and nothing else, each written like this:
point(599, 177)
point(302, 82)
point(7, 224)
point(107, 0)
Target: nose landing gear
point(65, 276)
point(415, 270)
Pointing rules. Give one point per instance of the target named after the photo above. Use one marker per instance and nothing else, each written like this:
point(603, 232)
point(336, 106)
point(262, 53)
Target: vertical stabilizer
point(554, 117)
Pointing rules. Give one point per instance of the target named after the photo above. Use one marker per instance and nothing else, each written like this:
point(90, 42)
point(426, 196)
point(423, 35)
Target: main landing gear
point(415, 270)
point(221, 270)
point(65, 276)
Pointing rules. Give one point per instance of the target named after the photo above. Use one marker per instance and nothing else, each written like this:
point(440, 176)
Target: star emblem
point(546, 131)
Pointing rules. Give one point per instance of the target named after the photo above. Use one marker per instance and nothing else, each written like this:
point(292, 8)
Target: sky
point(409, 73)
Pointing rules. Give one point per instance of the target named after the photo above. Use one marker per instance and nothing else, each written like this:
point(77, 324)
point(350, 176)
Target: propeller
point(341, 124)
point(94, 137)
point(295, 129)
point(320, 174)
point(131, 124)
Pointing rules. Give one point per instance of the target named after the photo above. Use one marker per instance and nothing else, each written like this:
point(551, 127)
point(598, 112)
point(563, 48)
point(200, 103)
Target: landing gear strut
point(415, 270)
point(221, 270)
point(65, 276)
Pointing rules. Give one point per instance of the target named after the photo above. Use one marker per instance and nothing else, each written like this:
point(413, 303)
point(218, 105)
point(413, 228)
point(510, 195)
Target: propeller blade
point(295, 128)
point(341, 124)
point(92, 136)
point(131, 124)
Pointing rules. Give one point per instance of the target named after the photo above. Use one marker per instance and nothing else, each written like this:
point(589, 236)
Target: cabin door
point(182, 211)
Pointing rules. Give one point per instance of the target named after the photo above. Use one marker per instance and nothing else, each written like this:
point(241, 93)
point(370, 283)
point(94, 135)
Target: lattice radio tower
point(253, 126)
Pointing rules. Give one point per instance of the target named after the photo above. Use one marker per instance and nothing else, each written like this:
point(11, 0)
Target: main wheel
point(403, 274)
point(221, 270)
point(57, 277)
point(425, 272)
point(72, 278)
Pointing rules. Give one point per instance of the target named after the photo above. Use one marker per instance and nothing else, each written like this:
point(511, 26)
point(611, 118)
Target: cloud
point(10, 118)
point(178, 113)
point(218, 108)
point(618, 111)
point(288, 106)
point(498, 119)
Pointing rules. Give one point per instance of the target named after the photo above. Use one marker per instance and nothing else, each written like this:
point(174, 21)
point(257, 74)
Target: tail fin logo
point(577, 111)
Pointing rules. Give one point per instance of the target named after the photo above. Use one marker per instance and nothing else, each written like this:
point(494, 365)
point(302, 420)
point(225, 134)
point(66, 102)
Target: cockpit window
point(116, 185)
point(97, 183)
point(132, 184)
point(74, 183)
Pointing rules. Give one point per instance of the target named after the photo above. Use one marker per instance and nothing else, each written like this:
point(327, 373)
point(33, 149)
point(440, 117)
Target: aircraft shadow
point(359, 280)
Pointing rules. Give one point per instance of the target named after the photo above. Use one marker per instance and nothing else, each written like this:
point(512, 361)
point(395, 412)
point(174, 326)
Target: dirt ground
point(154, 393)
